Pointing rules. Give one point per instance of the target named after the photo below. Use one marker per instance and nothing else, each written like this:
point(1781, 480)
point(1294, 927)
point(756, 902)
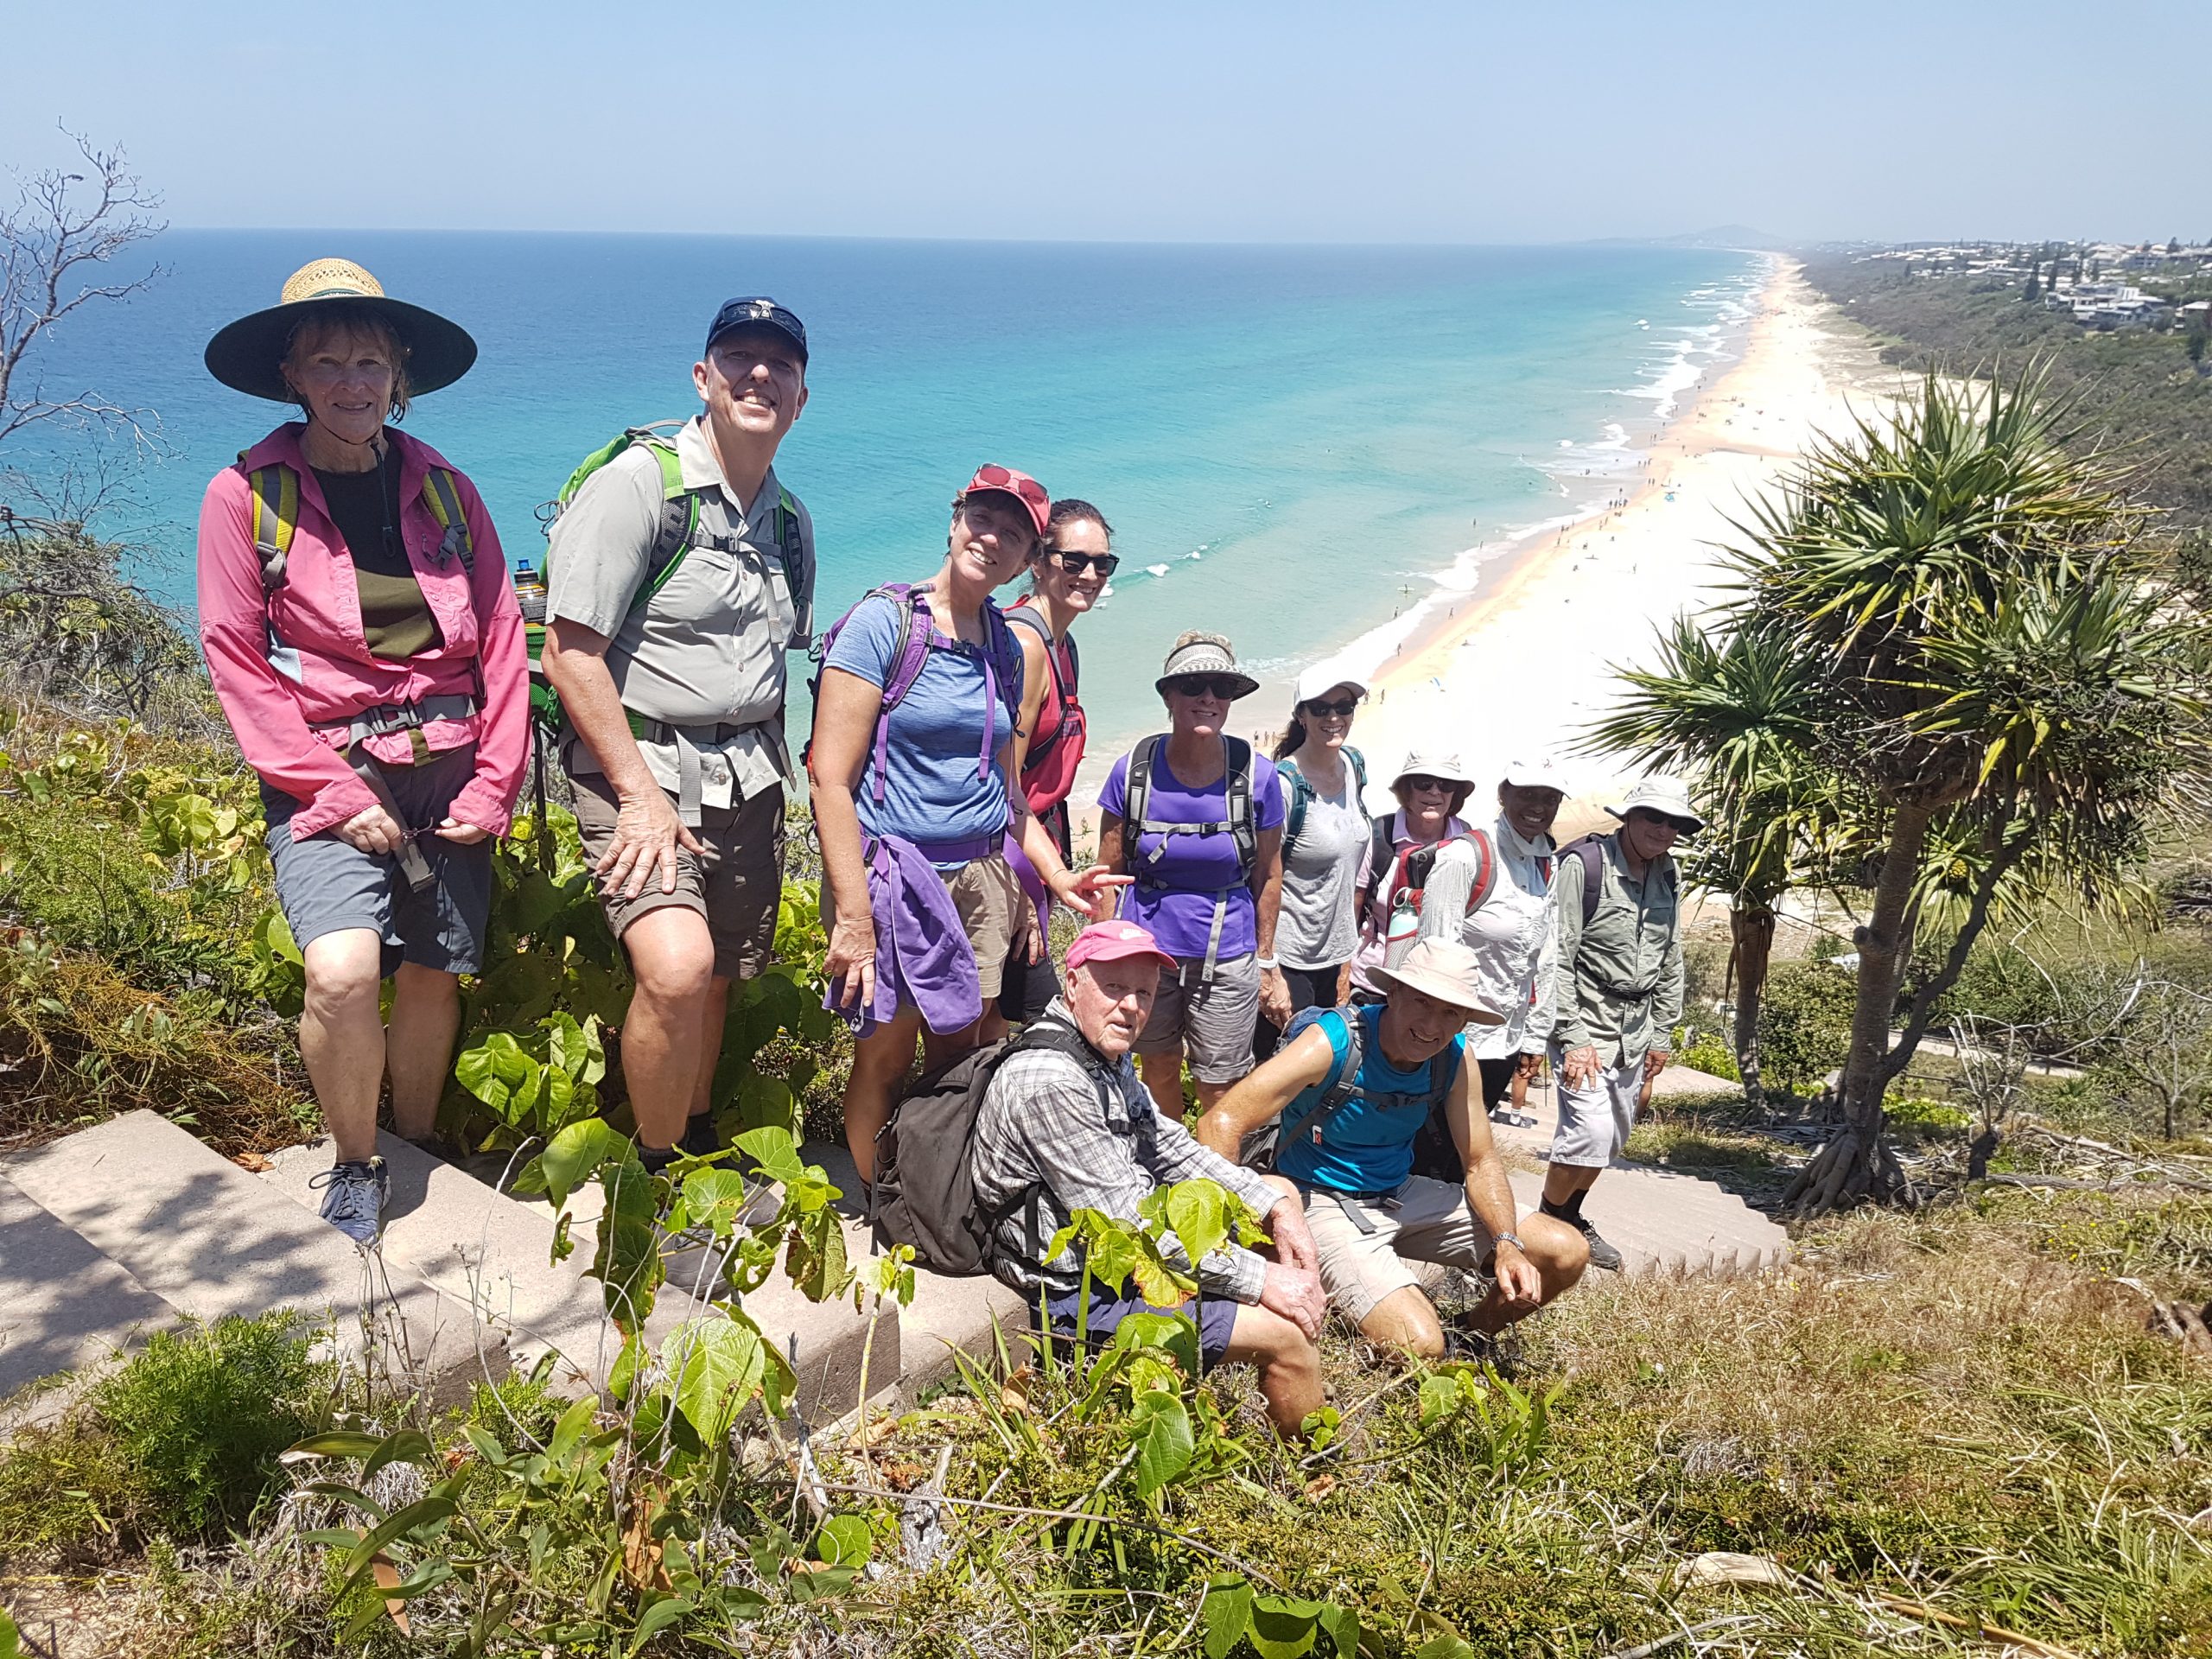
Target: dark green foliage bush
point(199, 1417)
point(1805, 1023)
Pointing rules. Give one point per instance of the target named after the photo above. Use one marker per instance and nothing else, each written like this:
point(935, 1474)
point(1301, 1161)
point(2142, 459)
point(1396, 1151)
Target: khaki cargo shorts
point(734, 887)
point(1427, 1221)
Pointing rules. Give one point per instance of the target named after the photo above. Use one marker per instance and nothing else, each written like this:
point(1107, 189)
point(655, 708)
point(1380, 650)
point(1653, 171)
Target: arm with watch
point(1490, 1195)
point(1266, 906)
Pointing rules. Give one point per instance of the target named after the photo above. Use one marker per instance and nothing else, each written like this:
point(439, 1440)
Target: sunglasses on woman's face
point(1420, 783)
point(1076, 563)
point(1344, 710)
point(1207, 685)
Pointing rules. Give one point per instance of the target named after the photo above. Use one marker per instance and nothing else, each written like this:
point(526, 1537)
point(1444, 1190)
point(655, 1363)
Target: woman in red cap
point(916, 798)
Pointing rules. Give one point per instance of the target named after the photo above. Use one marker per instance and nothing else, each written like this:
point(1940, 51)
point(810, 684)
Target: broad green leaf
point(845, 1540)
point(1439, 1398)
point(815, 1259)
point(1227, 1614)
point(656, 1619)
point(714, 1366)
point(1341, 1626)
point(338, 1443)
point(1198, 1212)
point(1444, 1645)
point(407, 1445)
point(10, 1638)
point(712, 1198)
point(422, 1514)
point(575, 1423)
point(1283, 1627)
point(1159, 1427)
point(577, 1153)
point(773, 1149)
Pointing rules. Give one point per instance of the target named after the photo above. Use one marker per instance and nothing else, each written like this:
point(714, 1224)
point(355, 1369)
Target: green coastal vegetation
point(1962, 706)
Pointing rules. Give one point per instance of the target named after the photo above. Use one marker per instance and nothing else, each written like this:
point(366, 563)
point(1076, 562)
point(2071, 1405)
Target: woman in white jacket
point(1490, 889)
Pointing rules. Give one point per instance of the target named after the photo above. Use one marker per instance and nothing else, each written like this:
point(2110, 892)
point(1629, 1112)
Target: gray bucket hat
point(1432, 763)
point(1203, 653)
point(1668, 797)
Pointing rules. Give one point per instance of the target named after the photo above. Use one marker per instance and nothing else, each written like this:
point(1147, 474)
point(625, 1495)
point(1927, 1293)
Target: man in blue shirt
point(1347, 1129)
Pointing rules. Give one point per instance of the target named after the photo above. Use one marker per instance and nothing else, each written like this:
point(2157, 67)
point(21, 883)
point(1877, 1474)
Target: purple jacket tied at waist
point(922, 954)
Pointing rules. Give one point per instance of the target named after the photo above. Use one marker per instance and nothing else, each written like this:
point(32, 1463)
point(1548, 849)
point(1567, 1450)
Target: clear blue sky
point(1535, 121)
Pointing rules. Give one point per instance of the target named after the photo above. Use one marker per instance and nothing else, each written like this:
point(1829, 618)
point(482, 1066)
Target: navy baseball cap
point(757, 309)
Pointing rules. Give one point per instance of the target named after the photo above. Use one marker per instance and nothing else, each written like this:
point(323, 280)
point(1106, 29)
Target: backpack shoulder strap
point(441, 495)
point(1443, 1071)
point(1590, 851)
point(1236, 788)
point(1136, 794)
point(1359, 772)
point(1378, 860)
point(679, 516)
point(1009, 665)
point(1301, 792)
point(1485, 870)
point(274, 520)
point(1342, 1084)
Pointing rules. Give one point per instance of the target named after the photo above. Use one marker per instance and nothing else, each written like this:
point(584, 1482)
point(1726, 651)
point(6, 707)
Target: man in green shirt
point(1619, 990)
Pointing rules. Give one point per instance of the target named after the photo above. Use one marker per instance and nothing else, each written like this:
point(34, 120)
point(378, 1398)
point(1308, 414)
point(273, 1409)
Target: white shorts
point(1594, 1122)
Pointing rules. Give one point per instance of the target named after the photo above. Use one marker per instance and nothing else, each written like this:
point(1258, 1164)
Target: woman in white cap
point(365, 644)
point(1491, 891)
point(1196, 817)
point(1325, 839)
point(1431, 787)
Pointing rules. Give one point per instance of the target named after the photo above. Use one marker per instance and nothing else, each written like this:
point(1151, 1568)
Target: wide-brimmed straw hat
point(1668, 797)
point(1447, 970)
point(1203, 653)
point(246, 355)
point(1433, 763)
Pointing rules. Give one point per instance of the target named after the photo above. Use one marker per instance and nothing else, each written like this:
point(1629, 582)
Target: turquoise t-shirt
point(931, 789)
point(1368, 1147)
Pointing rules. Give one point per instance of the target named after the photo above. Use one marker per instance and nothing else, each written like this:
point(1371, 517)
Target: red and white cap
point(1114, 941)
point(1022, 487)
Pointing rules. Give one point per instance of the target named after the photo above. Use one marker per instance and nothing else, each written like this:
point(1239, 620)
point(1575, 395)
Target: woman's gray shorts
point(1208, 1022)
point(325, 885)
point(1594, 1122)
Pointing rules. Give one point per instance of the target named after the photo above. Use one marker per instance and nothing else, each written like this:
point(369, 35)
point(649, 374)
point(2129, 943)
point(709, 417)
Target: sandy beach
point(1526, 662)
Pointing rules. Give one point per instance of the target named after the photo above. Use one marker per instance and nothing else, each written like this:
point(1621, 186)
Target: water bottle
point(529, 593)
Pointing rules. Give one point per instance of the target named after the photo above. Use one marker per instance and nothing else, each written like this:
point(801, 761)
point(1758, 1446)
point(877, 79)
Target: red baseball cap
point(1024, 489)
point(1113, 941)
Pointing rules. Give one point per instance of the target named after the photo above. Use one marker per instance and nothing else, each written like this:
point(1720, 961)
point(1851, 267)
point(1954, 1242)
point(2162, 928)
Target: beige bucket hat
point(1203, 653)
point(1668, 797)
point(1447, 970)
point(1432, 763)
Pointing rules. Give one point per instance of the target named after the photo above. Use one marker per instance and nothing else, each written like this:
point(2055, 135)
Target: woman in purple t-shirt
point(1201, 830)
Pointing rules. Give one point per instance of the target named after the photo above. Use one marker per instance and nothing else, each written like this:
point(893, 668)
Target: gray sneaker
point(1602, 1255)
point(352, 1201)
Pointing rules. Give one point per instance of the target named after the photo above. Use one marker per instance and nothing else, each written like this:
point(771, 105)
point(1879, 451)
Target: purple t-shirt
point(1180, 913)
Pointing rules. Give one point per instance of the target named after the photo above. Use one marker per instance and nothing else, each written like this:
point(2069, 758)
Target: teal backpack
point(1301, 792)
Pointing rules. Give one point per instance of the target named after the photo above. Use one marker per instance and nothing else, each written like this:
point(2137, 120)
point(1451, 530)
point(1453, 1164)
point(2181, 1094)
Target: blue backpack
point(1343, 1086)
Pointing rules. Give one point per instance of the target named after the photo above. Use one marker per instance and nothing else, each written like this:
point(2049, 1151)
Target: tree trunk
point(1857, 1163)
point(1751, 929)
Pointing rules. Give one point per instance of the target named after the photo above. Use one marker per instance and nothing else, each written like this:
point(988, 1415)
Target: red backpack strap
point(1486, 870)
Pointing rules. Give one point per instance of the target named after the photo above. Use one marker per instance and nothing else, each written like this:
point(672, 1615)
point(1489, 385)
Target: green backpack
point(679, 530)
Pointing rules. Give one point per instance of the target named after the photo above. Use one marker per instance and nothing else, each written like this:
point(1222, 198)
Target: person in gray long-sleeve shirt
point(1617, 993)
point(1089, 1136)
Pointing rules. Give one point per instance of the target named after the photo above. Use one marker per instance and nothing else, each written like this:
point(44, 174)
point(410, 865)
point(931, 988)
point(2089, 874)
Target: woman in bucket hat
point(1325, 837)
point(1196, 816)
point(1431, 787)
point(365, 643)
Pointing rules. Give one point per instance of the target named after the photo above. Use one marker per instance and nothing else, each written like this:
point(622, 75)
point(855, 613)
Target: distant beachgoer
point(1325, 838)
point(915, 802)
point(365, 644)
point(1617, 994)
point(1068, 571)
point(1196, 816)
point(1491, 891)
point(669, 647)
point(1431, 788)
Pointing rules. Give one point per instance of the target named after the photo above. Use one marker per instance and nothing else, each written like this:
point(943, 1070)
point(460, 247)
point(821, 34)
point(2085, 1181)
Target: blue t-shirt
point(1180, 913)
point(1367, 1146)
point(930, 789)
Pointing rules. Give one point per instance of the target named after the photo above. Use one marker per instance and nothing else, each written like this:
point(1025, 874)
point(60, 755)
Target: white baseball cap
point(1326, 677)
point(1542, 773)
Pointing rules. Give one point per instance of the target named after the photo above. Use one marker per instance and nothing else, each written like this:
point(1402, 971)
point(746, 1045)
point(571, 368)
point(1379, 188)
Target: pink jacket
point(318, 614)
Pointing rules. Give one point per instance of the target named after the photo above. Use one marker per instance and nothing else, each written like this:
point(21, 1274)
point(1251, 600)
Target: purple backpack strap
point(915, 632)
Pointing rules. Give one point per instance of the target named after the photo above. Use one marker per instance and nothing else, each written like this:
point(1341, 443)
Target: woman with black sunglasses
point(1431, 789)
point(1324, 840)
point(1068, 572)
point(1196, 816)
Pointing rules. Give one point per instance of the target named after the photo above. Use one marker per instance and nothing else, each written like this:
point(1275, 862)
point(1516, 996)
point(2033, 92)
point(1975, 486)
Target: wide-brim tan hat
point(1432, 763)
point(246, 355)
point(1668, 797)
point(1203, 653)
point(1447, 970)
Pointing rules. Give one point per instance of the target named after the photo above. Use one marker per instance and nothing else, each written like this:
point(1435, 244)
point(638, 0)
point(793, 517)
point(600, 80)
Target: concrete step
point(63, 1306)
point(210, 1240)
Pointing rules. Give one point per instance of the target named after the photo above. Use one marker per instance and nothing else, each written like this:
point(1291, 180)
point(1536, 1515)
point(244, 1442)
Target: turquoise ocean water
point(1294, 444)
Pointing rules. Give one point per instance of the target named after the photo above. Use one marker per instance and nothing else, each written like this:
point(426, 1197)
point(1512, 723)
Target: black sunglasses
point(1420, 780)
point(1200, 685)
point(1076, 563)
point(1344, 710)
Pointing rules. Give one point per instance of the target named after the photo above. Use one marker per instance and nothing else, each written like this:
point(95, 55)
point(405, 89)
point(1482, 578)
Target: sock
point(655, 1158)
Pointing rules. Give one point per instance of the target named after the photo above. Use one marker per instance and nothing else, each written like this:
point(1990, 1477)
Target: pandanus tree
point(1737, 711)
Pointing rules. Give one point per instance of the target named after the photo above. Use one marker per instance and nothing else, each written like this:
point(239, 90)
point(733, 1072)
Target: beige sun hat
point(1432, 763)
point(245, 354)
point(1668, 797)
point(1447, 970)
point(1197, 653)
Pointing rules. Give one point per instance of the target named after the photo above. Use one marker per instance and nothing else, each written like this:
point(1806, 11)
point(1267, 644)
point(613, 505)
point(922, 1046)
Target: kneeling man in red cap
point(1063, 1129)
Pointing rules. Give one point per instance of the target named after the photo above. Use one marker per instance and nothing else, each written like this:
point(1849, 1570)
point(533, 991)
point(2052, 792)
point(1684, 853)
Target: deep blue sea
point(1293, 444)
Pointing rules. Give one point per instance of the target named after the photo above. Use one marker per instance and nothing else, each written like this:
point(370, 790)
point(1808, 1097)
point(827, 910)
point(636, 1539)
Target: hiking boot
point(1602, 1255)
point(700, 1140)
point(352, 1199)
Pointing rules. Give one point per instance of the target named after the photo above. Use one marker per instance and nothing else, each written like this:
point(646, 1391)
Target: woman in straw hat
point(1196, 816)
point(365, 644)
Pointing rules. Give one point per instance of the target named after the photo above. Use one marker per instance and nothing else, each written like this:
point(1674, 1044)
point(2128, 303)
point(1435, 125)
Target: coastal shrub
point(1805, 1023)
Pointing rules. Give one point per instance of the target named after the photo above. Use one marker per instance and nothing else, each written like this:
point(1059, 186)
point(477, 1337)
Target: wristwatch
point(1504, 1238)
point(1267, 964)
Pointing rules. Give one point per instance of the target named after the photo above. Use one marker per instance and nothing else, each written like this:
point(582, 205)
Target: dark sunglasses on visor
point(1344, 710)
point(1076, 563)
point(1200, 685)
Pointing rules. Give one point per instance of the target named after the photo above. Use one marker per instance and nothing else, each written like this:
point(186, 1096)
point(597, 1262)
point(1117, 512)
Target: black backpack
point(924, 1193)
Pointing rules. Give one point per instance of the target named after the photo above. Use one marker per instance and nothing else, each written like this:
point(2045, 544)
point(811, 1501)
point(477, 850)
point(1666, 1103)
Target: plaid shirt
point(1092, 1139)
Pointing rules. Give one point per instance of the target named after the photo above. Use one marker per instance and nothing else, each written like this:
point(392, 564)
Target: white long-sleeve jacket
point(1511, 933)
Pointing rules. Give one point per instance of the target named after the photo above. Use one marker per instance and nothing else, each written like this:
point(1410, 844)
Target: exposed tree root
point(1849, 1170)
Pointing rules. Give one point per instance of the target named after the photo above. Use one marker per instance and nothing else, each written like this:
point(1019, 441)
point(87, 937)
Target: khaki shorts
point(735, 886)
point(1429, 1221)
point(993, 912)
point(1208, 1022)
